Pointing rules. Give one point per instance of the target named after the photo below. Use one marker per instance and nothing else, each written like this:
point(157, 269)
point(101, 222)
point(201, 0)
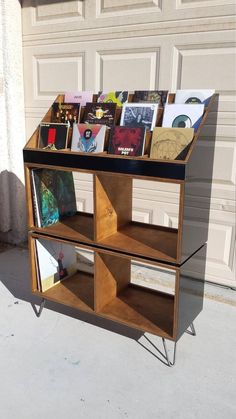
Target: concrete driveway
point(67, 364)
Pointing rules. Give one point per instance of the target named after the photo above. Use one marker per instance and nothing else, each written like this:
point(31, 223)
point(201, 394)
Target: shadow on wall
point(13, 227)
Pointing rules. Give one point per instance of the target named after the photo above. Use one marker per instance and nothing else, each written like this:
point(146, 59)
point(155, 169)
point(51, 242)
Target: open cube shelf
point(109, 291)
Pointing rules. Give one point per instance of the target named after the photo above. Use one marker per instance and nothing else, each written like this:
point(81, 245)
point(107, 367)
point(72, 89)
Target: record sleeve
point(88, 138)
point(79, 97)
point(194, 96)
point(100, 113)
point(182, 116)
point(53, 136)
point(139, 115)
point(53, 196)
point(65, 113)
point(170, 143)
point(151, 96)
point(127, 141)
point(55, 261)
point(118, 97)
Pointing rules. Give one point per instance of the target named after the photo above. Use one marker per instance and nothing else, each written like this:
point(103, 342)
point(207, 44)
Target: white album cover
point(182, 116)
point(194, 96)
point(56, 261)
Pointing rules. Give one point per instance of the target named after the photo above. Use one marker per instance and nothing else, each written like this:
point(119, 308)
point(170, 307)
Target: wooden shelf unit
point(116, 239)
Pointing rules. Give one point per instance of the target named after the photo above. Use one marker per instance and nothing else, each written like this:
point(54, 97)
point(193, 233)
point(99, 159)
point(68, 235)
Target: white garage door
point(145, 44)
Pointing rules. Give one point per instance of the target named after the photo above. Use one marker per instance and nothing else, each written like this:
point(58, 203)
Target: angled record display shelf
point(117, 241)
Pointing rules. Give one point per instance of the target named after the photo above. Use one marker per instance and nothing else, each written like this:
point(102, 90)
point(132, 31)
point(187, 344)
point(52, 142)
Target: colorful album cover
point(66, 113)
point(127, 141)
point(151, 96)
point(170, 143)
point(88, 138)
point(139, 115)
point(78, 97)
point(194, 96)
point(56, 261)
point(182, 116)
point(113, 97)
point(53, 196)
point(53, 136)
point(100, 113)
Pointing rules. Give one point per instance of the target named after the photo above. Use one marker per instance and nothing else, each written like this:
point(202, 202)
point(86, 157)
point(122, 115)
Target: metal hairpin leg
point(171, 364)
point(39, 311)
point(192, 329)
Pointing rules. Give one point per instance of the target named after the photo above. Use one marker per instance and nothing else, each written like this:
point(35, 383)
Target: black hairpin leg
point(192, 330)
point(171, 364)
point(39, 311)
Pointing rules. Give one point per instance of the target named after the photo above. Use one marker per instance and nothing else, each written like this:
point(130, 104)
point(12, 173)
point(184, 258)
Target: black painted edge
point(134, 167)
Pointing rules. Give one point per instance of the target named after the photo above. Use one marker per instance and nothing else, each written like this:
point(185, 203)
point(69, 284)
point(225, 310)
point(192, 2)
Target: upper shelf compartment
point(144, 167)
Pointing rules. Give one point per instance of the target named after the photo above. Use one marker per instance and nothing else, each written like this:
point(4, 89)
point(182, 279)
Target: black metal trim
point(97, 246)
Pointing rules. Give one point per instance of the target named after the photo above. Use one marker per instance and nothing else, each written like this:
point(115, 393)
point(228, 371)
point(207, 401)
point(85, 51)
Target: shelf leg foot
point(192, 330)
point(171, 364)
point(39, 311)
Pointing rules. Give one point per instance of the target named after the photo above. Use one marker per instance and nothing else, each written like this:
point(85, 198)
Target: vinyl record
point(182, 121)
point(193, 100)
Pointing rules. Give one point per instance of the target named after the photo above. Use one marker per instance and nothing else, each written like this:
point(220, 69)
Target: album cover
point(182, 116)
point(88, 138)
point(53, 196)
point(65, 113)
point(151, 96)
point(53, 136)
point(127, 141)
point(100, 113)
point(194, 96)
point(170, 143)
point(55, 261)
point(113, 97)
point(79, 97)
point(139, 115)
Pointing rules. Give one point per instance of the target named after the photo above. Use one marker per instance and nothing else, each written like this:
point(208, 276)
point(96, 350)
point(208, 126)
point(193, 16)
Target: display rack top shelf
point(140, 167)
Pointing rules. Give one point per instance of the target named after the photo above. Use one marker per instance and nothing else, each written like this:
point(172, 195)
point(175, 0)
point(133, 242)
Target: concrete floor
point(70, 365)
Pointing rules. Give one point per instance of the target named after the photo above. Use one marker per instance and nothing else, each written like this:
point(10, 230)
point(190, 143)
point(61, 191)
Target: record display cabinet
point(117, 242)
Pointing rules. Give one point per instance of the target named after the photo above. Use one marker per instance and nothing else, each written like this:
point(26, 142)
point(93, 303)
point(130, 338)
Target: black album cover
point(53, 136)
point(65, 113)
point(139, 115)
point(100, 113)
point(151, 96)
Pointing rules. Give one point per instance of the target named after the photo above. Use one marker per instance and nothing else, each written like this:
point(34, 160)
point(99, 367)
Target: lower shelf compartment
point(143, 309)
point(77, 227)
point(145, 240)
point(77, 291)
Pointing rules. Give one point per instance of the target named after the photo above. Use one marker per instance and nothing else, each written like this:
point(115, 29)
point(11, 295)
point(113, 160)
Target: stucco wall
point(12, 130)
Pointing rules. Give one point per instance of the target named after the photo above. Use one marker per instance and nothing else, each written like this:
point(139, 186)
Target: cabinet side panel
point(195, 194)
point(112, 274)
point(113, 204)
point(189, 302)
